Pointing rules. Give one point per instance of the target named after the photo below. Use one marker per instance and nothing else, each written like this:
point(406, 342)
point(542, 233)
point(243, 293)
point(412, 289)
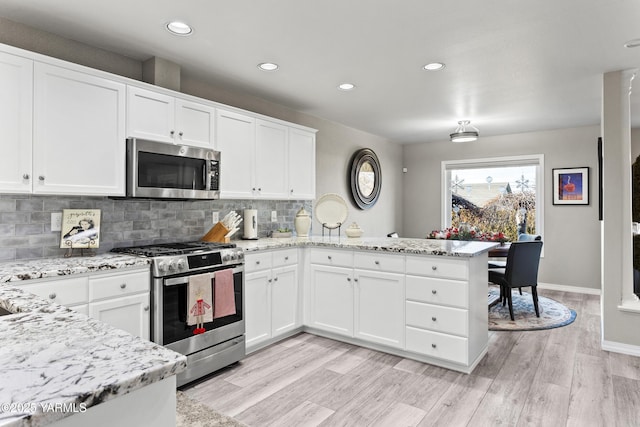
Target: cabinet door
point(257, 307)
point(195, 124)
point(16, 112)
point(331, 299)
point(130, 313)
point(235, 139)
point(271, 160)
point(79, 133)
point(284, 300)
point(150, 115)
point(379, 307)
point(302, 164)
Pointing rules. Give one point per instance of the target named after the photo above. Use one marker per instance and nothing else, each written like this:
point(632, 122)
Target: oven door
point(169, 324)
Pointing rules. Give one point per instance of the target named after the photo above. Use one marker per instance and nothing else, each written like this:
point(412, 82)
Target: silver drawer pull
point(122, 286)
point(329, 257)
point(257, 262)
point(275, 279)
point(41, 177)
point(433, 346)
point(377, 262)
point(355, 279)
point(434, 267)
point(433, 291)
point(286, 258)
point(348, 279)
point(434, 319)
point(52, 295)
point(146, 308)
point(269, 280)
point(25, 176)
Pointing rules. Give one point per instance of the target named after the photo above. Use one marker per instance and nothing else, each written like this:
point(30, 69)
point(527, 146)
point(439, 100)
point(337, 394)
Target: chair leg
point(534, 294)
point(509, 300)
point(520, 289)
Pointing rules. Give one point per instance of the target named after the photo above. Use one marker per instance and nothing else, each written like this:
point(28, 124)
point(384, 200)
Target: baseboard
point(565, 288)
point(616, 347)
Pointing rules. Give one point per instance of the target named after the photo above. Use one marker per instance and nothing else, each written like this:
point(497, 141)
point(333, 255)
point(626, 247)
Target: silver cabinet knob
point(292, 191)
point(123, 285)
point(433, 346)
point(275, 279)
point(348, 279)
point(259, 189)
point(433, 291)
point(146, 308)
point(172, 133)
point(286, 258)
point(25, 176)
point(377, 262)
point(257, 262)
point(180, 133)
point(41, 177)
point(269, 280)
point(329, 257)
point(433, 319)
point(434, 267)
point(52, 295)
point(355, 279)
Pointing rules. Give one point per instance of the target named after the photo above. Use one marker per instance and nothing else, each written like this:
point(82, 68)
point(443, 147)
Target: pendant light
point(463, 133)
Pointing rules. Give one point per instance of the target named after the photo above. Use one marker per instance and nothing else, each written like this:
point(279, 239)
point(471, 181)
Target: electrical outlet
point(274, 216)
point(56, 221)
point(215, 217)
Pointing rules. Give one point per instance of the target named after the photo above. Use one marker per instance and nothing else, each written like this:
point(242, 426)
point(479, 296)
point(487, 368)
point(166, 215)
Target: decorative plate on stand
point(331, 210)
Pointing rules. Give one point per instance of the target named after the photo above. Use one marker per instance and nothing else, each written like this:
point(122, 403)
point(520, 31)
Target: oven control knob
point(172, 266)
point(181, 265)
point(162, 266)
point(226, 257)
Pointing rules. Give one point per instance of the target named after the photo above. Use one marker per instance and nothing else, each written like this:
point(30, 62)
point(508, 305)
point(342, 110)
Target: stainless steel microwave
point(167, 171)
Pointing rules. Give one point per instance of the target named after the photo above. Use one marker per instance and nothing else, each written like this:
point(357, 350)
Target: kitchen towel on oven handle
point(224, 301)
point(200, 299)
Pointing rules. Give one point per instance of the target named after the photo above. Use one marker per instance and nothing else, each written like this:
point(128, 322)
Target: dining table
point(499, 251)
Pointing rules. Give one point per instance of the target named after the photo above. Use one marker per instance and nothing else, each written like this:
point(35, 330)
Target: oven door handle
point(185, 279)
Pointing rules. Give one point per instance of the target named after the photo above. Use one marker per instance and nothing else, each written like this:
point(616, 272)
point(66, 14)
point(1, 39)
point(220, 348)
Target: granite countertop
point(12, 271)
point(53, 355)
point(457, 248)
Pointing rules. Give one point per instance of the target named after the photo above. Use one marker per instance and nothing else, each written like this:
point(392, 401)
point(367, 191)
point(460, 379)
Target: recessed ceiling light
point(179, 28)
point(434, 66)
point(346, 86)
point(268, 66)
point(632, 43)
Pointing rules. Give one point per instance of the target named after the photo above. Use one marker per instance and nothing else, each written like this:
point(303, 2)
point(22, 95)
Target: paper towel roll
point(250, 221)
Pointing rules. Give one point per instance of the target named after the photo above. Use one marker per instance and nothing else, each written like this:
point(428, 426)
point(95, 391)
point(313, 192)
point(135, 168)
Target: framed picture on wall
point(80, 229)
point(571, 186)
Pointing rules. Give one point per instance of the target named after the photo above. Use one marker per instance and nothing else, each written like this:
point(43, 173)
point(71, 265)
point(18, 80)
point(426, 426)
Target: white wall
point(571, 233)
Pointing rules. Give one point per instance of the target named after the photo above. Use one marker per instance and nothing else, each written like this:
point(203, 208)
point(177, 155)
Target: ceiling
point(511, 65)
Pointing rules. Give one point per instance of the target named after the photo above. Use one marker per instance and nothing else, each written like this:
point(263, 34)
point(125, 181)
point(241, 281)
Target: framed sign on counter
point(80, 229)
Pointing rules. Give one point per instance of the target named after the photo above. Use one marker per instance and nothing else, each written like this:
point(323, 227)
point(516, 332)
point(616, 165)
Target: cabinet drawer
point(257, 261)
point(435, 344)
point(336, 257)
point(437, 291)
point(65, 292)
point(441, 267)
point(285, 257)
point(379, 262)
point(118, 285)
point(437, 318)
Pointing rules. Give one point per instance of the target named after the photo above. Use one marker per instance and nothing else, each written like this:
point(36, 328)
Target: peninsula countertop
point(53, 355)
point(454, 248)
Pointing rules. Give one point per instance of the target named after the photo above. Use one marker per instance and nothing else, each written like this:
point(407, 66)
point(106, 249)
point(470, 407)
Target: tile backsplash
point(25, 221)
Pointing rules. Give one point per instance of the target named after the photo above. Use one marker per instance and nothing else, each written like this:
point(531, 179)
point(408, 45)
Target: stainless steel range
point(217, 343)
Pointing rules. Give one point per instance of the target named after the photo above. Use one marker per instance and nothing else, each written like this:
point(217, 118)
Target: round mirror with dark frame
point(365, 178)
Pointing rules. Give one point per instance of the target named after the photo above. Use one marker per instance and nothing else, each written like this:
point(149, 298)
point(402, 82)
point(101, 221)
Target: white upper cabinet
point(159, 117)
point(235, 136)
point(16, 87)
point(271, 160)
point(302, 164)
point(78, 133)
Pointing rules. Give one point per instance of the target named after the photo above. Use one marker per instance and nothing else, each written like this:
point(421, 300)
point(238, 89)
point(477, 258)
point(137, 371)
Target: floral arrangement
point(467, 233)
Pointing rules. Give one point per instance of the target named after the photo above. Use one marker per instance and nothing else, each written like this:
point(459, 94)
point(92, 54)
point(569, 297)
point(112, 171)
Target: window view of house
point(495, 198)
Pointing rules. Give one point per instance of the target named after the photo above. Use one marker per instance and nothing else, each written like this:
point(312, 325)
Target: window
point(495, 195)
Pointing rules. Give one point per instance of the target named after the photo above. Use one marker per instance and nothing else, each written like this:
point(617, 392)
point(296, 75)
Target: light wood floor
point(556, 377)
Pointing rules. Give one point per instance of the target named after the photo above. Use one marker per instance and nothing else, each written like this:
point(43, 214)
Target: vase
point(302, 223)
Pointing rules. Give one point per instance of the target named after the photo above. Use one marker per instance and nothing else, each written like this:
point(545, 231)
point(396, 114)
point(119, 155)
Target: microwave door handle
point(207, 175)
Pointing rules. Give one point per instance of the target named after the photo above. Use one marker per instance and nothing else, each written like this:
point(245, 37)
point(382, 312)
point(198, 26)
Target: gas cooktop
point(168, 249)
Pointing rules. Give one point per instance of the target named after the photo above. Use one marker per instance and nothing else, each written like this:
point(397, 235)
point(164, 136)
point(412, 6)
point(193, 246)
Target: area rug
point(191, 413)
point(552, 313)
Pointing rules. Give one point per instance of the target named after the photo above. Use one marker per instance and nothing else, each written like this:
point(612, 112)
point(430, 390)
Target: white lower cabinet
point(379, 307)
point(331, 299)
point(120, 299)
point(271, 296)
point(364, 304)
